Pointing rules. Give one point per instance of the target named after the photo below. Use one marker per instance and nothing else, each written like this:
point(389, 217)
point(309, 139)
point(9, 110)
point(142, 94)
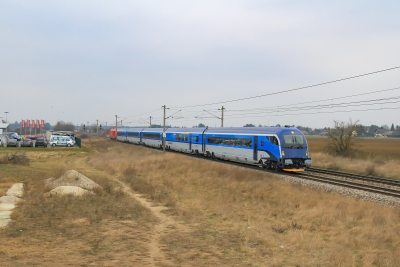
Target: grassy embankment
point(375, 156)
point(106, 228)
point(244, 217)
point(235, 216)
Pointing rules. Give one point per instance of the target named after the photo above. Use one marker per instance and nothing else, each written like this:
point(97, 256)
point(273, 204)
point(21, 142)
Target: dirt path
point(165, 226)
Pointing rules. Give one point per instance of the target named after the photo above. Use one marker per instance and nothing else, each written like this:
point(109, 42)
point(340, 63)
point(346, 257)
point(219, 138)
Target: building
point(381, 133)
point(3, 127)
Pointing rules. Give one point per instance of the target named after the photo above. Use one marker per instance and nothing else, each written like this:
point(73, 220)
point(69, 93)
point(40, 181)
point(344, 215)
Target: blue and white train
point(277, 148)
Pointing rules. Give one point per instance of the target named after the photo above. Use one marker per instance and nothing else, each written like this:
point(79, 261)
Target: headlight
point(306, 153)
point(283, 153)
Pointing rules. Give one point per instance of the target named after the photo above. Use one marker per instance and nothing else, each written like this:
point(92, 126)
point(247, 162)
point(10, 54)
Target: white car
point(62, 141)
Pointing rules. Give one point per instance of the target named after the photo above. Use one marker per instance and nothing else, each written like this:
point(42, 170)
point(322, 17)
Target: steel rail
point(353, 185)
point(381, 180)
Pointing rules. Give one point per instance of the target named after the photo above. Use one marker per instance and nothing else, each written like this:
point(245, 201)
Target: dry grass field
point(374, 156)
point(216, 215)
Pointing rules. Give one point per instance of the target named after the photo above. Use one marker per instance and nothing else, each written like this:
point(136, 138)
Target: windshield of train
point(294, 141)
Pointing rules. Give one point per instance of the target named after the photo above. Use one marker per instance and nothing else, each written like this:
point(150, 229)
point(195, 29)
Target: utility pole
point(87, 128)
point(150, 121)
point(97, 131)
point(222, 116)
point(116, 127)
point(164, 131)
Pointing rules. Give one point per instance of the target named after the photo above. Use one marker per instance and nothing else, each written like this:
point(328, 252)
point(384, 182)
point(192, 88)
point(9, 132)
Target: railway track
point(350, 184)
point(365, 178)
point(319, 175)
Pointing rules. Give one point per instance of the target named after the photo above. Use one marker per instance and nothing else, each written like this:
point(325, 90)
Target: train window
point(197, 139)
point(262, 143)
point(268, 138)
point(293, 140)
point(120, 133)
point(133, 134)
point(274, 140)
point(230, 141)
point(152, 136)
point(178, 137)
point(185, 137)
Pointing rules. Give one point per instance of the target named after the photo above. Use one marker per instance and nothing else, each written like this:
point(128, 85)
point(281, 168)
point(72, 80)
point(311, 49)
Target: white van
point(58, 140)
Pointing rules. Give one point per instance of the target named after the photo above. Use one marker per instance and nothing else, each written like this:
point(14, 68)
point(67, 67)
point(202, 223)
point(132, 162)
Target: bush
point(341, 139)
point(370, 170)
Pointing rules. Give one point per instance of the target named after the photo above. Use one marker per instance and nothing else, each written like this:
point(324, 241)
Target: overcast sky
point(79, 61)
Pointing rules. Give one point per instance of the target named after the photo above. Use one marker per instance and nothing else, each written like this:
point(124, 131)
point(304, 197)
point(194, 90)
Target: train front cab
point(294, 151)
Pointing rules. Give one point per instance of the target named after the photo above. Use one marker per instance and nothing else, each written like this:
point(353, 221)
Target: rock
point(73, 178)
point(4, 222)
point(9, 200)
point(6, 207)
point(50, 180)
point(16, 190)
point(5, 214)
point(68, 190)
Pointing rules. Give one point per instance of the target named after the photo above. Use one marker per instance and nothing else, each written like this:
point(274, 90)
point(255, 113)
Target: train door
point(190, 142)
point(255, 146)
point(204, 144)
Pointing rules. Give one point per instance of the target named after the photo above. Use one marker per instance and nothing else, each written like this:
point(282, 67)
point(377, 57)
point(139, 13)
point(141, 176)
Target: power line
point(294, 89)
point(319, 112)
point(338, 105)
point(322, 100)
point(143, 113)
point(279, 113)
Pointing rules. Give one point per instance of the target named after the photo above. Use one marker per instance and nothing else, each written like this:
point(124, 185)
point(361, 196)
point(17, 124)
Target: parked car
point(41, 142)
point(62, 141)
point(27, 143)
point(14, 135)
point(11, 141)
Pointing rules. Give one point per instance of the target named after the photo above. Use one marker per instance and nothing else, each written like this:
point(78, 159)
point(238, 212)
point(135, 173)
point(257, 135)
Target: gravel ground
point(354, 193)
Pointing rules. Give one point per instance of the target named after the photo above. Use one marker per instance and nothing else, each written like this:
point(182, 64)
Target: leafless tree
point(62, 126)
point(342, 138)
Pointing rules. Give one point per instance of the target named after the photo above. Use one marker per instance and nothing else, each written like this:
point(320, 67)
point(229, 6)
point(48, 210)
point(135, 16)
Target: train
point(277, 148)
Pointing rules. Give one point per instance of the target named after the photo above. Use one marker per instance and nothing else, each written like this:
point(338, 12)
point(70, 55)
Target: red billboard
point(33, 124)
point(23, 124)
point(37, 124)
point(42, 122)
point(28, 124)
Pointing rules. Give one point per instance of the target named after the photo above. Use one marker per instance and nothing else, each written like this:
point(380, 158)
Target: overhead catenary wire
point(306, 113)
point(337, 105)
point(321, 100)
point(325, 106)
point(143, 113)
point(293, 89)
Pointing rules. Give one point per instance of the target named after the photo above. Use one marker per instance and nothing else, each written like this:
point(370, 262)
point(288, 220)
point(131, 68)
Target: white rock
point(68, 190)
point(9, 200)
point(16, 190)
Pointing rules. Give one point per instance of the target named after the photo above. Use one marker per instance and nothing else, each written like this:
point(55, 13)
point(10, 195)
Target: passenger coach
point(187, 140)
point(152, 137)
point(270, 147)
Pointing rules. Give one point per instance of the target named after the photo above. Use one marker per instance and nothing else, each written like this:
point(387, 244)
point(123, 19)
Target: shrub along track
point(346, 180)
